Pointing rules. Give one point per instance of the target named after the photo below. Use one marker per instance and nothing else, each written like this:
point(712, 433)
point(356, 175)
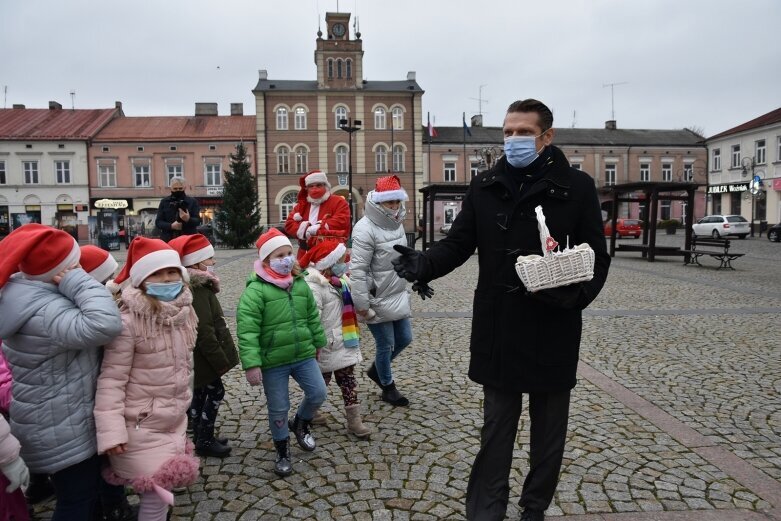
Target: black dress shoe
point(530, 514)
point(212, 448)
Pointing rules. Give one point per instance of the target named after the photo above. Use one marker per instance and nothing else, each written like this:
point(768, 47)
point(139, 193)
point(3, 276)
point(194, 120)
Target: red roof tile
point(176, 128)
point(766, 119)
point(52, 124)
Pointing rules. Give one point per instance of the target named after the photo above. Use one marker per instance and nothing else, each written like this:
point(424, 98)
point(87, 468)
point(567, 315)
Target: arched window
point(283, 160)
point(286, 205)
point(281, 118)
point(398, 118)
point(302, 160)
point(381, 159)
point(338, 68)
point(398, 158)
point(379, 118)
point(340, 113)
point(330, 68)
point(349, 67)
point(341, 159)
point(300, 118)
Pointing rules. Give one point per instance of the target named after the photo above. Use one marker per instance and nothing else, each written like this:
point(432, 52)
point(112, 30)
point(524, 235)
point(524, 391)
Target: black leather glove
point(563, 297)
point(411, 264)
point(423, 289)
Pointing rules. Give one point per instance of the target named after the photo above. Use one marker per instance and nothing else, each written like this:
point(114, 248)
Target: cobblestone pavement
point(677, 414)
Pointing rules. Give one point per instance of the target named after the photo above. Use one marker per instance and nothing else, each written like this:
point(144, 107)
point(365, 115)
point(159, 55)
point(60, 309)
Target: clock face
point(338, 29)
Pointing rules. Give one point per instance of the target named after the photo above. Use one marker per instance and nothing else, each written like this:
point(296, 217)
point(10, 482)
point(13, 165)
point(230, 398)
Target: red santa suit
point(313, 220)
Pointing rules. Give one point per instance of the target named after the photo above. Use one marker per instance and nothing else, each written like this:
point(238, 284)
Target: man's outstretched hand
point(424, 290)
point(410, 265)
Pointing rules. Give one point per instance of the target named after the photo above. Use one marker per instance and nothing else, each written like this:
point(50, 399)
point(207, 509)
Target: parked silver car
point(722, 225)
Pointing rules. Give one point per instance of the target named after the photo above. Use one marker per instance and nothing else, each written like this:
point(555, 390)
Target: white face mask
point(210, 269)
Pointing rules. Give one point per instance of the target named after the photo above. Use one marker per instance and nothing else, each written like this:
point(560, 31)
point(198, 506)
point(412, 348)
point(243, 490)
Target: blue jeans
point(390, 338)
point(77, 490)
point(275, 385)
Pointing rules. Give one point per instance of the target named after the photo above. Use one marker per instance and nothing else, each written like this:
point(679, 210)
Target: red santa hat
point(192, 248)
point(146, 256)
point(97, 262)
point(316, 176)
point(324, 254)
point(388, 188)
point(270, 241)
point(39, 252)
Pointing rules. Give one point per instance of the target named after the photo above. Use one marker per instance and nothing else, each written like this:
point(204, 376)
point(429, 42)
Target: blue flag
point(466, 129)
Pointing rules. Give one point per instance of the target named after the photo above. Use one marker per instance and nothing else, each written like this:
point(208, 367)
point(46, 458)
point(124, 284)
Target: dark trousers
point(203, 410)
point(489, 482)
point(77, 490)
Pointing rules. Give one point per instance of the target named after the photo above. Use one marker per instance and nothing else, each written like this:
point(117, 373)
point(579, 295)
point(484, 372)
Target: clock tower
point(339, 59)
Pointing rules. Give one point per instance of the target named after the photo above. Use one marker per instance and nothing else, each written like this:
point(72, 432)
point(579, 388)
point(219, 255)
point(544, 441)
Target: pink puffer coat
point(144, 392)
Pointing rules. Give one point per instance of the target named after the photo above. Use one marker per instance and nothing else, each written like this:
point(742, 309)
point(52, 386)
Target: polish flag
point(432, 132)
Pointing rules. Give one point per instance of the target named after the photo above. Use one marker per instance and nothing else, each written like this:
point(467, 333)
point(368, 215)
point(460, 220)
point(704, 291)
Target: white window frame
point(688, 172)
point(212, 173)
point(379, 118)
point(381, 159)
point(340, 113)
point(283, 159)
point(760, 151)
point(716, 160)
point(645, 172)
point(107, 173)
point(667, 172)
point(300, 118)
point(397, 118)
point(778, 148)
point(286, 205)
point(31, 172)
point(342, 161)
point(474, 167)
point(611, 170)
point(281, 114)
point(398, 158)
point(302, 159)
point(735, 156)
point(3, 179)
point(449, 171)
point(173, 170)
point(142, 175)
point(62, 171)
point(577, 166)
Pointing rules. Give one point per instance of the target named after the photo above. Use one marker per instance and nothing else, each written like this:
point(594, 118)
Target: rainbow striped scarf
point(349, 320)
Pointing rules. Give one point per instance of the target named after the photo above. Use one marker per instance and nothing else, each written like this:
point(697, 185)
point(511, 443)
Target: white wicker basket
point(554, 268)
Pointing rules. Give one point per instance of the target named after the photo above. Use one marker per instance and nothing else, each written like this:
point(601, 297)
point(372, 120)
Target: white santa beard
point(314, 210)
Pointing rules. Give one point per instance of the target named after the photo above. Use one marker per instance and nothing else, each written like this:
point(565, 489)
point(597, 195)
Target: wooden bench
point(719, 249)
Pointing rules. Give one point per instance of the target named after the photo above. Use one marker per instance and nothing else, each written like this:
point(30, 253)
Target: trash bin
point(410, 239)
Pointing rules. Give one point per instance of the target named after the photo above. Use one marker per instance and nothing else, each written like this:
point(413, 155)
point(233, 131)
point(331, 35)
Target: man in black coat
point(521, 342)
point(178, 214)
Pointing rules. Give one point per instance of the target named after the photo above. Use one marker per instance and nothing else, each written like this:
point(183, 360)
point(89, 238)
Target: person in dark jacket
point(178, 214)
point(521, 342)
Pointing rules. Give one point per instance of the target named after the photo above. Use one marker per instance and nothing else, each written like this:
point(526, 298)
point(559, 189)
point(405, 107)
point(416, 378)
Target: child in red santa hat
point(326, 274)
point(279, 333)
point(215, 353)
point(317, 215)
point(144, 384)
point(53, 317)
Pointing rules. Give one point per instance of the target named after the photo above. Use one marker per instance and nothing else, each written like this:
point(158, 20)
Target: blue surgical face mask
point(339, 269)
point(165, 291)
point(520, 151)
point(284, 265)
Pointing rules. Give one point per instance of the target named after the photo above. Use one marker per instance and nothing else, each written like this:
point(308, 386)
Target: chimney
point(411, 76)
point(477, 120)
point(237, 109)
point(263, 74)
point(53, 105)
point(18, 106)
point(610, 124)
point(205, 109)
point(118, 105)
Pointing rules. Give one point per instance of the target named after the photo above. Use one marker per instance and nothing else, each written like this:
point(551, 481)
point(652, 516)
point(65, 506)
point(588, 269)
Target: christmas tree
point(238, 219)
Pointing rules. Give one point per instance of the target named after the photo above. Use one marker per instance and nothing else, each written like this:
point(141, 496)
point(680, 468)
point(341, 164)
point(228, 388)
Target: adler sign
point(114, 204)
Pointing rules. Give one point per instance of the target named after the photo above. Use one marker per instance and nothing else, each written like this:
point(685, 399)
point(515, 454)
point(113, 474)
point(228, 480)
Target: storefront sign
point(213, 190)
point(725, 189)
point(209, 201)
point(81, 208)
point(114, 204)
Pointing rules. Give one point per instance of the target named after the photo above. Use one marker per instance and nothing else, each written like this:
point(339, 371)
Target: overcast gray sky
point(711, 64)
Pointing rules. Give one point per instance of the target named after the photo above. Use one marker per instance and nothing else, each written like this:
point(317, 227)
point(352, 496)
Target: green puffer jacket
point(277, 327)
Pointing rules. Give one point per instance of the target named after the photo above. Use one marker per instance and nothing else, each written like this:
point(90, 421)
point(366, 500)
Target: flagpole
point(463, 132)
point(392, 169)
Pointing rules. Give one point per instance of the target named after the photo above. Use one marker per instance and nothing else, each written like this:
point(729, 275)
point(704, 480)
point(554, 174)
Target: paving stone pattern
point(677, 414)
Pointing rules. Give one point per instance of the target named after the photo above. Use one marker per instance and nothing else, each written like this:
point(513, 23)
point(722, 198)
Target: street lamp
point(754, 186)
point(350, 126)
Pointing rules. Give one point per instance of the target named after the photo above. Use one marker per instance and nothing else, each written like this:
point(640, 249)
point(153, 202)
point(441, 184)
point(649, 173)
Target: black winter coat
point(520, 343)
point(168, 212)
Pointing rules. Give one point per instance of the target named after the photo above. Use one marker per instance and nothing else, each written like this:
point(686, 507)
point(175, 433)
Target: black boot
point(373, 376)
point(301, 429)
point(392, 395)
point(283, 466)
point(121, 512)
point(208, 445)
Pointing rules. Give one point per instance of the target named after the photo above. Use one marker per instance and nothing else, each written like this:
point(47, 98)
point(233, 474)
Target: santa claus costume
point(317, 215)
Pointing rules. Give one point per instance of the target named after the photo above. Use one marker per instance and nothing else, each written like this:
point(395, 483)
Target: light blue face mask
point(284, 265)
point(165, 291)
point(520, 151)
point(339, 269)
